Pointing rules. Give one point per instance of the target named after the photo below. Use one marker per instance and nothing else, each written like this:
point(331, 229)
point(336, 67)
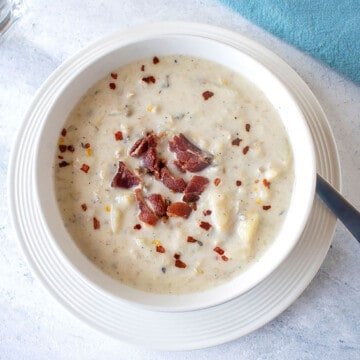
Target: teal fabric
point(329, 30)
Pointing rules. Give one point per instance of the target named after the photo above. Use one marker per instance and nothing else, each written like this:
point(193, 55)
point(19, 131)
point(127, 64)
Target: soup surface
point(173, 174)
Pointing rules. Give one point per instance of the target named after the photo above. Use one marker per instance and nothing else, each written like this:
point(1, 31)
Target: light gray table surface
point(323, 323)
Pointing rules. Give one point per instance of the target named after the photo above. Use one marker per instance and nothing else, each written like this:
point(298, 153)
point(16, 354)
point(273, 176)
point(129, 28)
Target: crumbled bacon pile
point(189, 158)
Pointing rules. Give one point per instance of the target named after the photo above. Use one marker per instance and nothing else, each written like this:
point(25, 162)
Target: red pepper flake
point(236, 142)
point(156, 60)
point(219, 250)
point(238, 182)
point(137, 227)
point(266, 183)
point(62, 148)
point(207, 212)
point(85, 168)
point(190, 239)
point(247, 127)
point(63, 132)
point(245, 150)
point(207, 94)
point(142, 67)
point(266, 207)
point(60, 157)
point(87, 146)
point(149, 79)
point(217, 181)
point(114, 75)
point(160, 249)
point(84, 207)
point(112, 86)
point(63, 164)
point(205, 225)
point(176, 256)
point(225, 258)
point(96, 223)
point(119, 136)
point(180, 264)
point(71, 148)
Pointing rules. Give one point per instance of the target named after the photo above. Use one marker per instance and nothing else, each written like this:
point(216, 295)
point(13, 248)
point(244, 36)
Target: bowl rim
point(181, 307)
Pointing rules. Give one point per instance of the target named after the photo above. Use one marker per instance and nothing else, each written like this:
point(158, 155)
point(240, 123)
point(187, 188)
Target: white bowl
point(142, 45)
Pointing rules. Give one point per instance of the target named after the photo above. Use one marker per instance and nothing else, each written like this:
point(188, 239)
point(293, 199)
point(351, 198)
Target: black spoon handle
point(345, 212)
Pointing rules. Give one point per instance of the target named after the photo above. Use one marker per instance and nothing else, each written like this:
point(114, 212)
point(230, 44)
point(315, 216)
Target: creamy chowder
point(173, 174)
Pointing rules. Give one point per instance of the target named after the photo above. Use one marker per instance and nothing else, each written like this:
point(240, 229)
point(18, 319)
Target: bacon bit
point(245, 150)
point(119, 136)
point(266, 207)
point(60, 157)
point(124, 178)
point(195, 188)
point(225, 258)
point(179, 209)
point(62, 148)
point(156, 60)
point(137, 227)
point(190, 239)
point(160, 249)
point(207, 212)
point(71, 148)
point(146, 215)
point(96, 223)
point(180, 264)
point(84, 207)
point(189, 156)
point(142, 67)
point(140, 147)
point(194, 206)
point(114, 75)
point(176, 184)
point(247, 127)
point(87, 146)
point(63, 164)
point(176, 256)
point(158, 204)
point(151, 162)
point(61, 140)
point(149, 79)
point(266, 183)
point(219, 250)
point(238, 182)
point(85, 168)
point(236, 142)
point(217, 181)
point(88, 152)
point(63, 132)
point(112, 86)
point(207, 95)
point(205, 225)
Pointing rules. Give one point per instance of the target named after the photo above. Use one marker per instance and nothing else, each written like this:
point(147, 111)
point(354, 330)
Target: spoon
point(345, 212)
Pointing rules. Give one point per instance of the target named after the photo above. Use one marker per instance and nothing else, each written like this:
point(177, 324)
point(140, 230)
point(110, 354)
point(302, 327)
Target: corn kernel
point(156, 242)
point(61, 140)
point(149, 108)
point(258, 201)
point(88, 152)
point(107, 208)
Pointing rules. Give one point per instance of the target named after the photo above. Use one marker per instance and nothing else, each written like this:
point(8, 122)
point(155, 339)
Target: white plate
point(162, 330)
